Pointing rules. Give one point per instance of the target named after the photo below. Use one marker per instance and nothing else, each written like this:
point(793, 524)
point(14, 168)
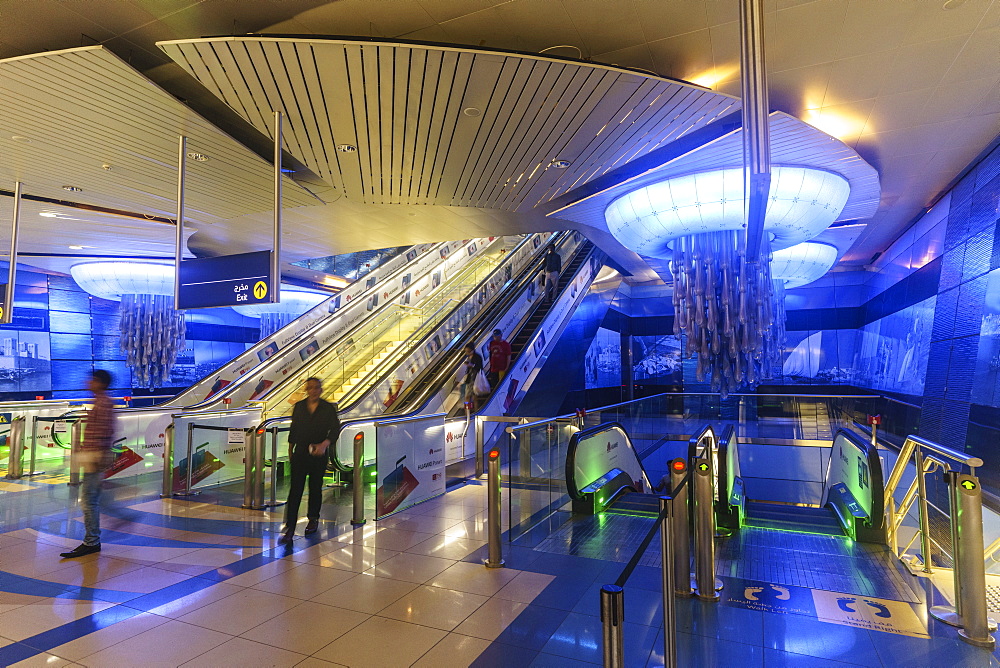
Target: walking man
point(315, 426)
point(553, 265)
point(499, 358)
point(95, 458)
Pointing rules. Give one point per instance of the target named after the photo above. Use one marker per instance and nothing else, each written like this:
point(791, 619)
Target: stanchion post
point(274, 468)
point(249, 462)
point(34, 445)
point(613, 625)
point(480, 465)
point(168, 462)
point(681, 528)
point(359, 479)
point(75, 437)
point(495, 559)
point(704, 530)
point(258, 459)
point(669, 583)
point(971, 569)
point(15, 456)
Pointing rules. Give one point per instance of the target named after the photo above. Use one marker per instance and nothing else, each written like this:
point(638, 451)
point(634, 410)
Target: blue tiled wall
point(60, 333)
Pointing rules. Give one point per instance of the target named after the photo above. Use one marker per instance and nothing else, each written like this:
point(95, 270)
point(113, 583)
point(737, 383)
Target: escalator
point(605, 475)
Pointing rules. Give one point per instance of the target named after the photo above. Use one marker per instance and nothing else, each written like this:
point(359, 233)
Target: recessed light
point(48, 214)
point(347, 148)
point(79, 247)
point(198, 157)
point(560, 164)
point(73, 189)
point(472, 111)
point(22, 139)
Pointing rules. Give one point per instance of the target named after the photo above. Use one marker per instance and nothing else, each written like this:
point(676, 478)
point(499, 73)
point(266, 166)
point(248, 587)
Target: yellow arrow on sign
point(260, 290)
point(968, 484)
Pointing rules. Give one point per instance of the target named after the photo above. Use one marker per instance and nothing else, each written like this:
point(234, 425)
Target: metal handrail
point(408, 418)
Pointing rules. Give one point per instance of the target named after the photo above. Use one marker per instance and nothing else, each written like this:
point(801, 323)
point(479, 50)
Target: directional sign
point(703, 466)
point(228, 280)
point(968, 484)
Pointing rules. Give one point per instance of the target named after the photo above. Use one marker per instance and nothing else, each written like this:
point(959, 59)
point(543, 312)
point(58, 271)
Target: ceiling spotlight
point(560, 164)
point(73, 189)
point(347, 148)
point(106, 167)
point(472, 111)
point(79, 247)
point(198, 157)
point(22, 139)
point(48, 214)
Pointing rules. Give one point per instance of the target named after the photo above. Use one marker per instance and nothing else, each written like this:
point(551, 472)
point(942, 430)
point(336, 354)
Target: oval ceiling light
point(22, 139)
point(472, 112)
point(347, 148)
point(803, 202)
point(198, 157)
point(73, 189)
point(560, 164)
point(111, 280)
point(802, 263)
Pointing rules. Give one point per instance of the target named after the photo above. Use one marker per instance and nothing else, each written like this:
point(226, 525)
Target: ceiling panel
point(76, 111)
point(446, 126)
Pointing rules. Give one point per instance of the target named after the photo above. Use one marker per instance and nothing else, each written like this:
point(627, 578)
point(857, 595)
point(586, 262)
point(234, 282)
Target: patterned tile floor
point(201, 582)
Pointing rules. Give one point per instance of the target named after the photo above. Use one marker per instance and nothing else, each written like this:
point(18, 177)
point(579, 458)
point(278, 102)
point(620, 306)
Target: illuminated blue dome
point(802, 263)
point(803, 202)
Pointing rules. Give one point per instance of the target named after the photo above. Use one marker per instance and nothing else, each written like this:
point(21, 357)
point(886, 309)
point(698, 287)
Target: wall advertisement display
point(214, 456)
point(604, 451)
point(459, 441)
point(410, 463)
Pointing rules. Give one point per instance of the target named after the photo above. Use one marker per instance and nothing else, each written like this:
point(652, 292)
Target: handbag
point(481, 385)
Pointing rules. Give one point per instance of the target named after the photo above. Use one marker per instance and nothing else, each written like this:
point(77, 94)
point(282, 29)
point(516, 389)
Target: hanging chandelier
point(152, 333)
point(728, 306)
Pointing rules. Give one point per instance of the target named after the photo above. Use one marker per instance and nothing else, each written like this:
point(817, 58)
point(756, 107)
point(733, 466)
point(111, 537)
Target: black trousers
point(303, 464)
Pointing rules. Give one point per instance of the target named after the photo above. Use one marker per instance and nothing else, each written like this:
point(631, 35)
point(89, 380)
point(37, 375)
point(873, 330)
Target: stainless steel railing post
point(925, 528)
point(706, 585)
point(970, 610)
point(258, 463)
point(249, 465)
point(681, 529)
point(669, 583)
point(613, 624)
point(274, 467)
point(34, 440)
point(480, 465)
point(15, 456)
point(75, 439)
point(495, 559)
point(359, 480)
point(167, 489)
point(189, 463)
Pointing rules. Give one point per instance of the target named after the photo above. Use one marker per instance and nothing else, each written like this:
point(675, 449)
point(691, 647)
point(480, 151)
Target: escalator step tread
point(796, 518)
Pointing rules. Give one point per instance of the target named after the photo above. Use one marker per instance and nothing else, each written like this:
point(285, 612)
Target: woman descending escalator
point(469, 370)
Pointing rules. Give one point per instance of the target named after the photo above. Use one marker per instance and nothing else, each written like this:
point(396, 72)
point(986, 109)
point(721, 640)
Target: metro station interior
point(745, 254)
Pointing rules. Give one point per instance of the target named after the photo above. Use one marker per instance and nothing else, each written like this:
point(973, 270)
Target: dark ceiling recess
point(90, 207)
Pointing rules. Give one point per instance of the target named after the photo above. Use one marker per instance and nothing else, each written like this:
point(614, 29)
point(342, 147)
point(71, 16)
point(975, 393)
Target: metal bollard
point(15, 457)
point(704, 531)
point(970, 611)
point(681, 529)
point(359, 479)
point(495, 559)
point(669, 583)
point(189, 463)
point(168, 462)
point(480, 467)
point(613, 624)
point(253, 466)
point(75, 440)
point(34, 442)
point(274, 470)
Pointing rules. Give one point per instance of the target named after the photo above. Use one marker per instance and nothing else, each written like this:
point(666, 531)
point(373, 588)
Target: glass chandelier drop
point(152, 333)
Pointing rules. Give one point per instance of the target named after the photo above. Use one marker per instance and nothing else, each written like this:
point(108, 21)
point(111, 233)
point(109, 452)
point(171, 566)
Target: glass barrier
point(535, 473)
point(209, 448)
point(410, 462)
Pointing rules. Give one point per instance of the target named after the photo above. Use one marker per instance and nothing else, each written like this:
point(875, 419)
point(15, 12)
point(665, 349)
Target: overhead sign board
point(227, 280)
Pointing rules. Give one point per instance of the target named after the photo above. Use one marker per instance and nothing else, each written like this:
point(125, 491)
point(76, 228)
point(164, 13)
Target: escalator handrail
point(501, 299)
point(695, 441)
point(571, 487)
point(308, 333)
point(876, 519)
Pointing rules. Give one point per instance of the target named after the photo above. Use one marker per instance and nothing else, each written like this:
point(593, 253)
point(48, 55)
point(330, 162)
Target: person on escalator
point(473, 365)
point(553, 265)
point(499, 358)
point(315, 426)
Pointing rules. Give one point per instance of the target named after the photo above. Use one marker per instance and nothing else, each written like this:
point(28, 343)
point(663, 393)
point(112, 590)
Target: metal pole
point(168, 462)
point(190, 463)
point(15, 457)
point(249, 460)
point(613, 623)
point(704, 531)
point(972, 578)
point(359, 479)
point(479, 447)
point(495, 559)
point(34, 441)
point(756, 132)
point(74, 451)
point(276, 242)
point(669, 583)
point(681, 528)
point(925, 529)
point(8, 303)
point(274, 468)
point(258, 458)
point(179, 226)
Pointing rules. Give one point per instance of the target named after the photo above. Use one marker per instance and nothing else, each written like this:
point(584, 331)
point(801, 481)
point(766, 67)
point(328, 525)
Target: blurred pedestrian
point(553, 266)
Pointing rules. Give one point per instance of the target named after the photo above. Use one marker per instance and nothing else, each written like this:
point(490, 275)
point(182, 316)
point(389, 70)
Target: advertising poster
point(410, 464)
point(218, 448)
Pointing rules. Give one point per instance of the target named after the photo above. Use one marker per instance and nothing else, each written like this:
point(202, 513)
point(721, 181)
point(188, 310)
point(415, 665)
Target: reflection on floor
point(201, 582)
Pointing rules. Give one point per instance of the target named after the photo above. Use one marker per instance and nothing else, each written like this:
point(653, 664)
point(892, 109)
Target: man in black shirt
point(553, 265)
point(315, 426)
